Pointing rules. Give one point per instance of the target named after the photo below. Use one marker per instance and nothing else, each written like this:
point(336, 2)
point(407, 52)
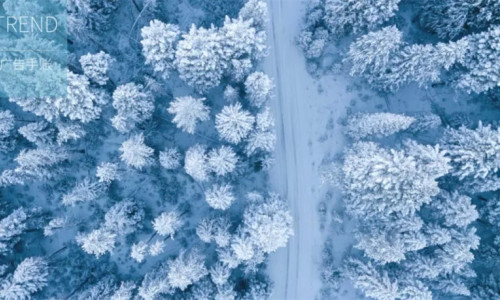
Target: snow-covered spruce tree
point(372, 282)
point(219, 273)
point(29, 277)
point(11, 227)
point(154, 284)
point(125, 291)
point(188, 112)
point(390, 239)
point(168, 223)
point(382, 60)
point(135, 153)
point(371, 53)
point(134, 105)
point(86, 191)
point(262, 138)
point(156, 248)
point(6, 123)
point(422, 64)
point(259, 88)
point(357, 15)
point(242, 44)
point(39, 106)
point(69, 131)
point(124, 217)
point(107, 172)
point(255, 10)
point(96, 66)
point(138, 251)
point(35, 164)
point(222, 160)
point(97, 242)
point(452, 18)
point(216, 228)
point(361, 126)
point(220, 196)
point(90, 15)
point(482, 62)
point(457, 210)
point(199, 58)
point(268, 223)
point(39, 133)
point(473, 153)
point(195, 163)
point(233, 123)
point(158, 46)
point(82, 102)
point(380, 181)
point(186, 269)
point(170, 158)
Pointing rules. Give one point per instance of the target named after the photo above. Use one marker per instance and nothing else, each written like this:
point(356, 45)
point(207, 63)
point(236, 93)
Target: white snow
point(302, 113)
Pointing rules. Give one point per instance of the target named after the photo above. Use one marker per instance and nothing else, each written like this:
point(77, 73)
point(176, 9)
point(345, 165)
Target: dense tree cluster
point(133, 185)
point(388, 60)
point(419, 236)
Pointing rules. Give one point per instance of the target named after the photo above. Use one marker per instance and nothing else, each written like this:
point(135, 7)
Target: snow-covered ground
point(303, 112)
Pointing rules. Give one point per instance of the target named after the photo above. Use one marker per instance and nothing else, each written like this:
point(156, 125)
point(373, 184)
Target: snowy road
point(302, 113)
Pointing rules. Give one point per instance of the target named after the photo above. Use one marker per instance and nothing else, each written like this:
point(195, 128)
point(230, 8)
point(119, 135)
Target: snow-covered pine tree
point(86, 191)
point(473, 153)
point(168, 223)
point(96, 66)
point(452, 18)
point(233, 123)
point(372, 282)
point(360, 126)
point(170, 158)
point(69, 131)
point(262, 138)
point(6, 123)
point(220, 196)
point(259, 88)
point(29, 277)
point(135, 153)
point(374, 178)
point(188, 111)
point(422, 64)
point(482, 61)
point(242, 44)
point(154, 284)
point(222, 160)
point(138, 251)
point(124, 217)
point(195, 163)
point(82, 102)
point(268, 223)
point(457, 210)
point(39, 133)
point(255, 10)
point(35, 164)
point(107, 172)
point(186, 269)
point(134, 105)
point(199, 58)
point(370, 54)
point(357, 15)
point(158, 46)
point(11, 227)
point(97, 242)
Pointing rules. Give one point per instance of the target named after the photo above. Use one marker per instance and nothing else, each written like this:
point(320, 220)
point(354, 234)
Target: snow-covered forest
point(147, 178)
point(250, 149)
